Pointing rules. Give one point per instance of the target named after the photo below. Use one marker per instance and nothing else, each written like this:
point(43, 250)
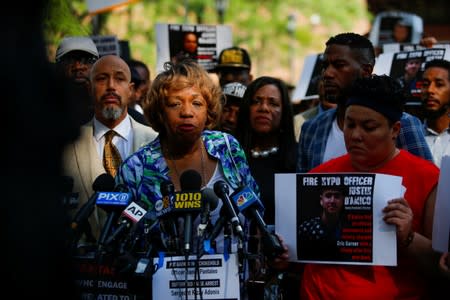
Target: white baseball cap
point(76, 43)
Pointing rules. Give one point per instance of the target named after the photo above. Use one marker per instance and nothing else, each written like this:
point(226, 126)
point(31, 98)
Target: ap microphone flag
point(134, 212)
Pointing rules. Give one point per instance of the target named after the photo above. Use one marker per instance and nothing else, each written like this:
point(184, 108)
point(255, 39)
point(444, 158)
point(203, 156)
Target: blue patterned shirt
point(145, 170)
point(314, 136)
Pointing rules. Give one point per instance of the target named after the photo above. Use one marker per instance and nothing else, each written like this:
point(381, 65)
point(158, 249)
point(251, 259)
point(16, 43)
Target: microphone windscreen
point(167, 188)
point(104, 183)
point(190, 180)
point(210, 197)
point(220, 188)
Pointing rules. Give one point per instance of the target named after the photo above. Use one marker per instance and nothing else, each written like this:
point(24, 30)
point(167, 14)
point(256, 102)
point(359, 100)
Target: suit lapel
point(88, 159)
point(142, 135)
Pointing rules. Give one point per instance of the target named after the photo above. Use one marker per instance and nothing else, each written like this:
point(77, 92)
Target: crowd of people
point(238, 133)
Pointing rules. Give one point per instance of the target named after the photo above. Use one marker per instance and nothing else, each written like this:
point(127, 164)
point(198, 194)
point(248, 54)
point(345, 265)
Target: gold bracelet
point(408, 240)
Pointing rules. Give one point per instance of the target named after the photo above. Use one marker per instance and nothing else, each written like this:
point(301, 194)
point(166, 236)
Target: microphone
point(103, 183)
point(112, 203)
point(68, 197)
point(210, 201)
point(189, 200)
point(131, 215)
point(165, 212)
point(220, 223)
point(248, 204)
point(221, 189)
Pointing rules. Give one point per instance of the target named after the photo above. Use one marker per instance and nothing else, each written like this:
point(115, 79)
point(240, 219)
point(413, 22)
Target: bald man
point(111, 86)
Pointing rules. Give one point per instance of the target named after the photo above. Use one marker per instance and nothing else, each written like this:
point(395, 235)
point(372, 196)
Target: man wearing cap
point(233, 92)
point(234, 65)
point(75, 55)
point(74, 58)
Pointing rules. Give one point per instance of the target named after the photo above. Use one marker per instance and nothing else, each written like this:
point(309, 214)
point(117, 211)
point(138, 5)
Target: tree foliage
point(259, 26)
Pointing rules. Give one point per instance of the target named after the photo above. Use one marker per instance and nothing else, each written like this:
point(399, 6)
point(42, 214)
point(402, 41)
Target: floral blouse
point(144, 171)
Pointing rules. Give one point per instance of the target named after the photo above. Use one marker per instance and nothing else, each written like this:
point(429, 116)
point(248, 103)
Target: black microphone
point(103, 183)
point(68, 197)
point(250, 206)
point(113, 203)
point(167, 219)
point(219, 225)
point(189, 200)
point(131, 215)
point(221, 189)
point(210, 202)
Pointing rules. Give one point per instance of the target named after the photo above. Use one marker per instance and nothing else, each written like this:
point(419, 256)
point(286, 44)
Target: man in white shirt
point(436, 107)
point(111, 89)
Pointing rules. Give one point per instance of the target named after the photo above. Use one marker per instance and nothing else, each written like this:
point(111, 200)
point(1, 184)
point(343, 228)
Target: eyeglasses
point(81, 58)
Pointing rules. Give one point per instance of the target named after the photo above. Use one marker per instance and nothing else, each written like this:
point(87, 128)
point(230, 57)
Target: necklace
point(202, 164)
point(263, 153)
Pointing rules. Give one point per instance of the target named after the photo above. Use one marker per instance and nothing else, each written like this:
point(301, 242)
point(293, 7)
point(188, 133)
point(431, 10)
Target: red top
point(324, 281)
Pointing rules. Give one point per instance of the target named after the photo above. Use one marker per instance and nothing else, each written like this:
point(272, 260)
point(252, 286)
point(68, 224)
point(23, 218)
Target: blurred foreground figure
point(37, 264)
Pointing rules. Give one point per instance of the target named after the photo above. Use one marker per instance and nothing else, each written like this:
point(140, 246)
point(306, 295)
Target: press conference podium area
point(132, 277)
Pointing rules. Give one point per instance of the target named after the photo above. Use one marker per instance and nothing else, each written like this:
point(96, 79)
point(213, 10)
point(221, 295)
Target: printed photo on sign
point(338, 217)
point(404, 47)
point(201, 43)
point(336, 223)
point(407, 68)
point(404, 66)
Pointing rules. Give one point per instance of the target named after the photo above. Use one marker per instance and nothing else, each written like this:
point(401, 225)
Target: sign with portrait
point(407, 67)
point(209, 277)
point(403, 47)
point(307, 86)
point(106, 44)
point(338, 217)
point(202, 43)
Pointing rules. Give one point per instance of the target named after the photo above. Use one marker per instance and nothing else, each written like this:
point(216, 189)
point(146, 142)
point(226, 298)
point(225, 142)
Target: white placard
point(403, 47)
point(441, 223)
point(394, 64)
point(364, 238)
point(217, 278)
point(106, 44)
point(306, 87)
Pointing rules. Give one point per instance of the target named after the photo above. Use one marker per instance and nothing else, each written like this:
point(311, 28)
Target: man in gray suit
point(83, 159)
